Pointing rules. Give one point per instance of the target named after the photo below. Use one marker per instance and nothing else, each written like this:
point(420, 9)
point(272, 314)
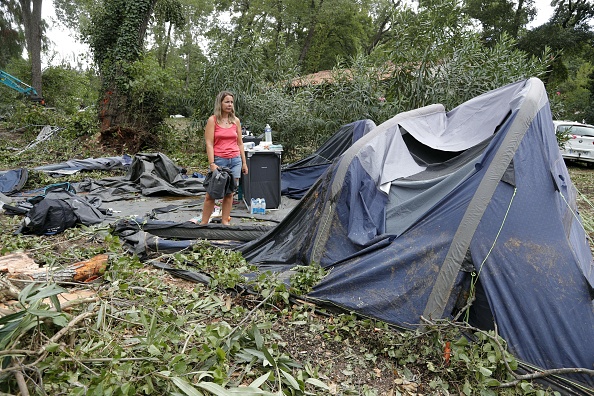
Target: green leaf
point(292, 381)
point(53, 347)
point(56, 303)
point(316, 382)
point(213, 388)
point(11, 317)
point(467, 389)
point(60, 320)
point(485, 371)
point(44, 313)
point(260, 380)
point(269, 357)
point(24, 294)
point(45, 292)
point(153, 350)
point(258, 338)
point(186, 387)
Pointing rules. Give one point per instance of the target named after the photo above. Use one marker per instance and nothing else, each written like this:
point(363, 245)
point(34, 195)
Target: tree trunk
point(312, 28)
point(31, 10)
point(18, 267)
point(113, 109)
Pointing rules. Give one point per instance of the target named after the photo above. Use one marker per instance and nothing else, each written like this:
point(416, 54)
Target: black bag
point(219, 183)
point(58, 210)
point(49, 217)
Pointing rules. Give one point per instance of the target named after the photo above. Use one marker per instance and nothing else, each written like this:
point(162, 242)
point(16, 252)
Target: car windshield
point(577, 130)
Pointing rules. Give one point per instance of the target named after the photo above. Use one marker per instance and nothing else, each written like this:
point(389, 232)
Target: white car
point(580, 146)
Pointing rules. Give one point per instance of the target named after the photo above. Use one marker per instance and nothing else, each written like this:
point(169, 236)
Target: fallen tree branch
point(518, 377)
point(66, 328)
point(41, 352)
point(20, 379)
point(545, 373)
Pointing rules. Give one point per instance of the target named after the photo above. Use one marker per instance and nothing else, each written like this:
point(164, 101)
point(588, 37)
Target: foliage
point(500, 17)
point(141, 334)
point(116, 34)
point(82, 123)
point(32, 314)
point(305, 278)
point(27, 114)
point(11, 40)
point(146, 332)
point(69, 90)
point(150, 90)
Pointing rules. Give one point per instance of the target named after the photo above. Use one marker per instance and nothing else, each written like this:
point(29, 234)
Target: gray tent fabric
point(149, 174)
point(431, 202)
point(76, 165)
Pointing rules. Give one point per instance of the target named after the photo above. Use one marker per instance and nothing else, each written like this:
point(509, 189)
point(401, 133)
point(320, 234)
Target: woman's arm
point(209, 139)
point(244, 167)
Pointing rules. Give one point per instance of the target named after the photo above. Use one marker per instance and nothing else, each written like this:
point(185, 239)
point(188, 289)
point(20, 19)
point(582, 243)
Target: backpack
point(49, 217)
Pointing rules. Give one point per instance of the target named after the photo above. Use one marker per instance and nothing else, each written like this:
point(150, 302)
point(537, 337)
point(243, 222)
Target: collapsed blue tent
point(299, 176)
point(430, 204)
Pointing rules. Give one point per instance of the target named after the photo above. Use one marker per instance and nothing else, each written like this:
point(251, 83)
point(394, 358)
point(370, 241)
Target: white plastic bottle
point(254, 206)
point(259, 205)
point(263, 206)
point(268, 134)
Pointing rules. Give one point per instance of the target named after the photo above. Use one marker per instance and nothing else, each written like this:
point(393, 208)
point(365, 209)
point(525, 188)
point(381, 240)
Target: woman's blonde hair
point(217, 106)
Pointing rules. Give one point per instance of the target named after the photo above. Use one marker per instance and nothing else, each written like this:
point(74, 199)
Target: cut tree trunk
point(18, 266)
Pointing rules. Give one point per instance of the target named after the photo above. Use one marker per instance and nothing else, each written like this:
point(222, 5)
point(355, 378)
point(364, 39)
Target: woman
point(224, 148)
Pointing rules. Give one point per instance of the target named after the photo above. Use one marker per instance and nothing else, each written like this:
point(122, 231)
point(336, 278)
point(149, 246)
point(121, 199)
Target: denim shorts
point(232, 163)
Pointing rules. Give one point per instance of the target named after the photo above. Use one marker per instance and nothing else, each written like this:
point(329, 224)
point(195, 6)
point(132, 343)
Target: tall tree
point(116, 35)
point(31, 14)
point(501, 16)
point(168, 14)
point(11, 43)
point(572, 13)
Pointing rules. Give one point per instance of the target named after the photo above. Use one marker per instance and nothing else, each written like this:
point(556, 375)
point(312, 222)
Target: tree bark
point(113, 110)
point(31, 10)
point(312, 29)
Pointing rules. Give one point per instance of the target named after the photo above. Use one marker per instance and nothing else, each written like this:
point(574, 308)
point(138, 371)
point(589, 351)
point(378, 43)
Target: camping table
point(264, 177)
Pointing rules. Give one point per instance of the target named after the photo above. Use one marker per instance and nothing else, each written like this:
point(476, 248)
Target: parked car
point(580, 145)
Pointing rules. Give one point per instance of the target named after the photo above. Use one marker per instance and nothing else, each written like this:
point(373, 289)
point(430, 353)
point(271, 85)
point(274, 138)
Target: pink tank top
point(225, 141)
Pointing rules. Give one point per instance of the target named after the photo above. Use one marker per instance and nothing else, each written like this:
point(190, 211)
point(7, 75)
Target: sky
point(65, 47)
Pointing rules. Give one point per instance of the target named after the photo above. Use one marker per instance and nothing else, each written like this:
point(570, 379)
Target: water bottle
point(263, 206)
point(268, 134)
point(253, 206)
point(259, 206)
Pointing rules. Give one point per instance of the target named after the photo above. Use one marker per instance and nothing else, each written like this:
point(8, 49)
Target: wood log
point(20, 266)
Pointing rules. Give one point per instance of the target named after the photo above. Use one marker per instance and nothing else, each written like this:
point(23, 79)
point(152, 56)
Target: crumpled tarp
point(75, 165)
point(12, 181)
point(149, 174)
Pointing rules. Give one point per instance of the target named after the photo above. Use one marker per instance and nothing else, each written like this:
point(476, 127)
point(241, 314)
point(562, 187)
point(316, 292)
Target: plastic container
point(268, 134)
point(262, 206)
point(254, 206)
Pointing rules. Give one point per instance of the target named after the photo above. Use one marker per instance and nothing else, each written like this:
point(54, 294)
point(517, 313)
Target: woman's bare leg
point(226, 210)
point(207, 209)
